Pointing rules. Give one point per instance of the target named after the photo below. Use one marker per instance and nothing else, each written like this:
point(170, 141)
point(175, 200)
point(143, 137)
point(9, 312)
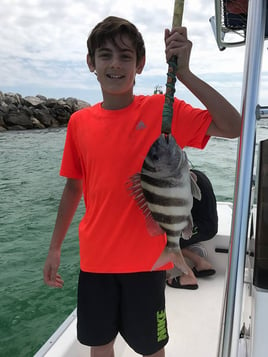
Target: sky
point(43, 47)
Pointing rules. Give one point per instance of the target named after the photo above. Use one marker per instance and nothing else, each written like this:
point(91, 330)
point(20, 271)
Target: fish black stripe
point(157, 182)
point(172, 245)
point(163, 201)
point(162, 218)
point(148, 167)
point(171, 233)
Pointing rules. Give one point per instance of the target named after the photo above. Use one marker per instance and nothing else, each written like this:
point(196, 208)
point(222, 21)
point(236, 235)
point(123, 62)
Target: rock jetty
point(36, 112)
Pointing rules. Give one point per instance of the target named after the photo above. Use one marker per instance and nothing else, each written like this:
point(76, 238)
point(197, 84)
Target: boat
point(227, 316)
point(183, 306)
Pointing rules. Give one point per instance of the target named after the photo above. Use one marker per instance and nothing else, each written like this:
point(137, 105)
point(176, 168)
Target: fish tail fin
point(175, 257)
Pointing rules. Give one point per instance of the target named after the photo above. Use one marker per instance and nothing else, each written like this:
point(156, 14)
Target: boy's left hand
point(178, 45)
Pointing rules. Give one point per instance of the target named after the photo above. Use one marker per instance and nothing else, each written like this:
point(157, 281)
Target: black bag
point(204, 212)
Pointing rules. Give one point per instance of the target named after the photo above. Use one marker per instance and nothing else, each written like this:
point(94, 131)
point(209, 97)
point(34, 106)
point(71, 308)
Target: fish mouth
point(166, 136)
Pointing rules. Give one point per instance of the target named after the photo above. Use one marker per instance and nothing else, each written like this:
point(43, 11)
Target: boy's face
point(116, 66)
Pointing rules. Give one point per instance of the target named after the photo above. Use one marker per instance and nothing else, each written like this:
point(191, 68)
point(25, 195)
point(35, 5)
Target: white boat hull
point(193, 316)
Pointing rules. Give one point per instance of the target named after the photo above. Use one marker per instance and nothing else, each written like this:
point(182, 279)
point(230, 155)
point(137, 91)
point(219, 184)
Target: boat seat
point(230, 22)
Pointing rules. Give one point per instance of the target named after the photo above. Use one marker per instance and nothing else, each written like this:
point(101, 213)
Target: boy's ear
point(140, 66)
point(90, 64)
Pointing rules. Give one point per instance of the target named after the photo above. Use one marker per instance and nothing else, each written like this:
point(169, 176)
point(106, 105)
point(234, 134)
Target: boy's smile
point(115, 64)
point(112, 76)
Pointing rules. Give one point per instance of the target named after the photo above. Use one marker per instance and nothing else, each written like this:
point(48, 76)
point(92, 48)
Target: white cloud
point(43, 46)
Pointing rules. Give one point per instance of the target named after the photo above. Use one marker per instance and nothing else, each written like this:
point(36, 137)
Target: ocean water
point(30, 190)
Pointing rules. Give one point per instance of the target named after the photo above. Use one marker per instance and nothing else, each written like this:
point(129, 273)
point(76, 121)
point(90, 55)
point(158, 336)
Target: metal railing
point(231, 319)
point(225, 36)
point(261, 112)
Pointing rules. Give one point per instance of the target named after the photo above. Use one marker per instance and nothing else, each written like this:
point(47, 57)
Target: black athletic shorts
point(132, 304)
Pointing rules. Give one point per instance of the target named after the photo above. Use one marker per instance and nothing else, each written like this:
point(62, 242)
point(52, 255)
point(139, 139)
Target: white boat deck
point(194, 319)
point(193, 315)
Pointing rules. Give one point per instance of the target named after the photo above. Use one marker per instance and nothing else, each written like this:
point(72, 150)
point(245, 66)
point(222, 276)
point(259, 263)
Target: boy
point(105, 145)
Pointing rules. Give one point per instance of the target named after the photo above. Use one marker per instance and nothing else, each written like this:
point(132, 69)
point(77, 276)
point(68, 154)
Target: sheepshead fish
point(164, 190)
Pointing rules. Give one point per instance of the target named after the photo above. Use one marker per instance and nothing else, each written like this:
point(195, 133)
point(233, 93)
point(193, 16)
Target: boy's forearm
point(226, 119)
point(69, 201)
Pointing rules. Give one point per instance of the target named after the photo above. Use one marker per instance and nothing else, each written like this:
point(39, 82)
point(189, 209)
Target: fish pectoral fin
point(194, 187)
point(188, 230)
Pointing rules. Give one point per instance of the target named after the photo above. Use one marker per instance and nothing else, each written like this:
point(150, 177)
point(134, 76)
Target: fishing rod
point(171, 75)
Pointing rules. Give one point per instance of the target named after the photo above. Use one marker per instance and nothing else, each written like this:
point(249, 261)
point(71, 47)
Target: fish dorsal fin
point(135, 188)
point(194, 187)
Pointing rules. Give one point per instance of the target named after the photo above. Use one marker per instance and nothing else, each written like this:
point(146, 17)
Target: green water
point(30, 190)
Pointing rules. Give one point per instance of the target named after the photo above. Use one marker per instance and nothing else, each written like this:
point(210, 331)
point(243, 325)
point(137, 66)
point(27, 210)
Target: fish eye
point(155, 157)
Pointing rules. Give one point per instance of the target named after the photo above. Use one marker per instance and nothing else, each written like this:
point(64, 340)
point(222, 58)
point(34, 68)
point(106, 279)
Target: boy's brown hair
point(108, 29)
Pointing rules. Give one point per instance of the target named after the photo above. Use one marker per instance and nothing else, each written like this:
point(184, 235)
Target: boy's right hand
point(51, 277)
point(178, 45)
